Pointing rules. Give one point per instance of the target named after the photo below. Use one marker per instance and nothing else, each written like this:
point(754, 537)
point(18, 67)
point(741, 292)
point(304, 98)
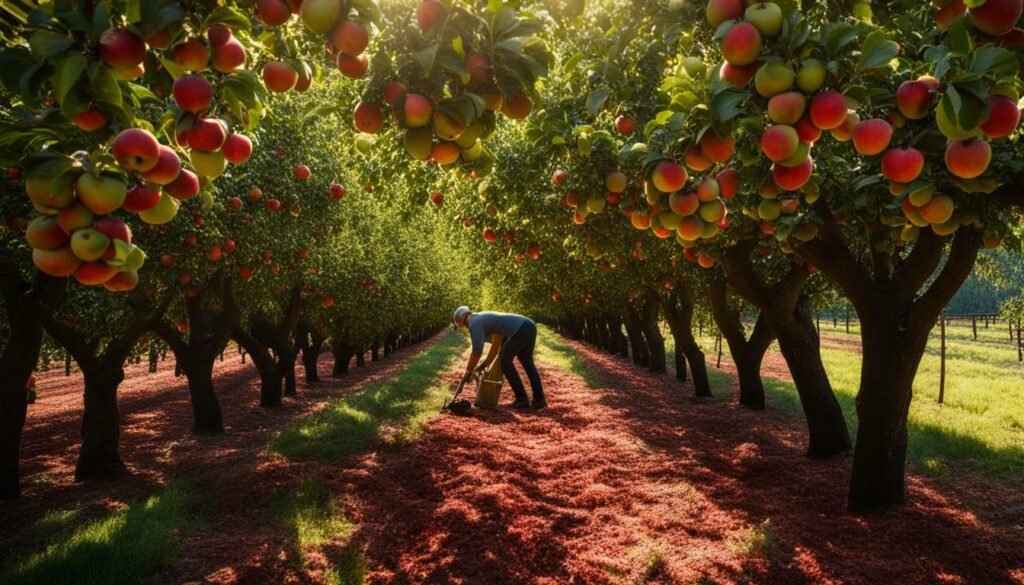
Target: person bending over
point(520, 335)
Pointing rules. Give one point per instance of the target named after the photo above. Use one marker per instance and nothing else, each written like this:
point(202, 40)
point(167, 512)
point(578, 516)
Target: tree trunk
point(636, 338)
point(361, 359)
point(311, 357)
point(99, 457)
point(652, 333)
point(24, 304)
point(270, 373)
point(207, 418)
point(890, 362)
point(786, 311)
point(679, 314)
point(798, 342)
point(747, 354)
point(342, 357)
point(375, 351)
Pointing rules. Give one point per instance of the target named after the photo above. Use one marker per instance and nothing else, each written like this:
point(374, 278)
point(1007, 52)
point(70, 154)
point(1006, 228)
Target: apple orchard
point(304, 176)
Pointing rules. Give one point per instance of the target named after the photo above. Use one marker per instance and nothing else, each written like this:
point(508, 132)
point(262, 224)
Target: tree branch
point(911, 275)
point(962, 256)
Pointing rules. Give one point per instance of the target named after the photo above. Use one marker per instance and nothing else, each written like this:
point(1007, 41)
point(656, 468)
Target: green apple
point(766, 18)
point(694, 67)
point(950, 129)
point(49, 195)
point(811, 76)
point(319, 16)
point(473, 152)
point(773, 79)
point(89, 244)
point(163, 212)
point(471, 135)
point(101, 194)
point(135, 259)
point(209, 164)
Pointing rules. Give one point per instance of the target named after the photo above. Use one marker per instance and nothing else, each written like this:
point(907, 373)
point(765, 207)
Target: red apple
point(192, 93)
point(368, 117)
point(208, 134)
point(302, 172)
point(121, 48)
point(353, 66)
point(273, 12)
point(902, 165)
point(167, 168)
point(184, 187)
point(191, 55)
point(141, 197)
point(429, 14)
point(136, 150)
point(90, 120)
point(279, 76)
point(350, 37)
point(237, 148)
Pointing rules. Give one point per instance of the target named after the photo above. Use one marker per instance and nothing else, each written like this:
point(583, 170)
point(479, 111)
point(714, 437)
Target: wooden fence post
point(974, 326)
point(942, 363)
point(718, 364)
point(1020, 348)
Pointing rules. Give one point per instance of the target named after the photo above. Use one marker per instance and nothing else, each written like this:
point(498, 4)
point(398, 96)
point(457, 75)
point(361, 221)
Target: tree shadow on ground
point(752, 464)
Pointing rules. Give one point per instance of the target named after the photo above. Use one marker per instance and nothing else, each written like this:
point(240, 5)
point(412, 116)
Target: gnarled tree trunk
point(679, 314)
point(24, 305)
point(747, 353)
point(786, 312)
point(210, 330)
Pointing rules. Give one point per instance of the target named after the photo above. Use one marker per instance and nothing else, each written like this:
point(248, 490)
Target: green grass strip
point(555, 352)
point(392, 410)
point(981, 422)
point(315, 524)
point(121, 547)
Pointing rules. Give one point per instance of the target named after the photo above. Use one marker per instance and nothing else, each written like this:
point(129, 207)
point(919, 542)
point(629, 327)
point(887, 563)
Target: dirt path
point(226, 474)
point(645, 484)
point(636, 483)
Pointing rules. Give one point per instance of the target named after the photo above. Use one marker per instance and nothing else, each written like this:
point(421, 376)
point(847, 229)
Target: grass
point(982, 419)
point(555, 352)
point(123, 546)
point(393, 410)
point(758, 541)
point(315, 525)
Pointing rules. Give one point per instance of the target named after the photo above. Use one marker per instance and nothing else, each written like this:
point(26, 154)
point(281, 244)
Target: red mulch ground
point(637, 483)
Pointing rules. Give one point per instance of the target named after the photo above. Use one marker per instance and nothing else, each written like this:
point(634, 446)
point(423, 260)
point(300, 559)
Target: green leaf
point(958, 38)
point(425, 58)
point(877, 51)
point(596, 100)
point(727, 104)
point(104, 86)
point(995, 60)
point(229, 16)
point(46, 43)
point(67, 74)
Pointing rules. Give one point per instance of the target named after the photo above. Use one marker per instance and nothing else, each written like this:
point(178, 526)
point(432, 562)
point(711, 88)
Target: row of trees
point(642, 98)
point(730, 133)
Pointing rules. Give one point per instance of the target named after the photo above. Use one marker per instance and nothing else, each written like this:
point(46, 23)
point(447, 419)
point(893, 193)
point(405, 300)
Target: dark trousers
point(521, 346)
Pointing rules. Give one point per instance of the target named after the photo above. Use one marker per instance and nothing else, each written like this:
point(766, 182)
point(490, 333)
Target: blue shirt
point(483, 325)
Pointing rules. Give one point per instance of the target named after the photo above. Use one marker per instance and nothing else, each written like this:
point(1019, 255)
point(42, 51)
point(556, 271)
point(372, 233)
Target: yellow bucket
point(488, 391)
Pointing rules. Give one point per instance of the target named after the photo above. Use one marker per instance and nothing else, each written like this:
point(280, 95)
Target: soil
point(638, 482)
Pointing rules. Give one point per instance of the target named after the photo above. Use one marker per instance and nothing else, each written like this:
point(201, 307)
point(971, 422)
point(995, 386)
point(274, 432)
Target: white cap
point(459, 314)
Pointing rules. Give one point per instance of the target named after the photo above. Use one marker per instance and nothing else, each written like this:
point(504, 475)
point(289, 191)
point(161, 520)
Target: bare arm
point(492, 354)
point(470, 366)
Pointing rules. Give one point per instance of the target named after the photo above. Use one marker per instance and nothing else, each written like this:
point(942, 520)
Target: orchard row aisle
point(626, 478)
